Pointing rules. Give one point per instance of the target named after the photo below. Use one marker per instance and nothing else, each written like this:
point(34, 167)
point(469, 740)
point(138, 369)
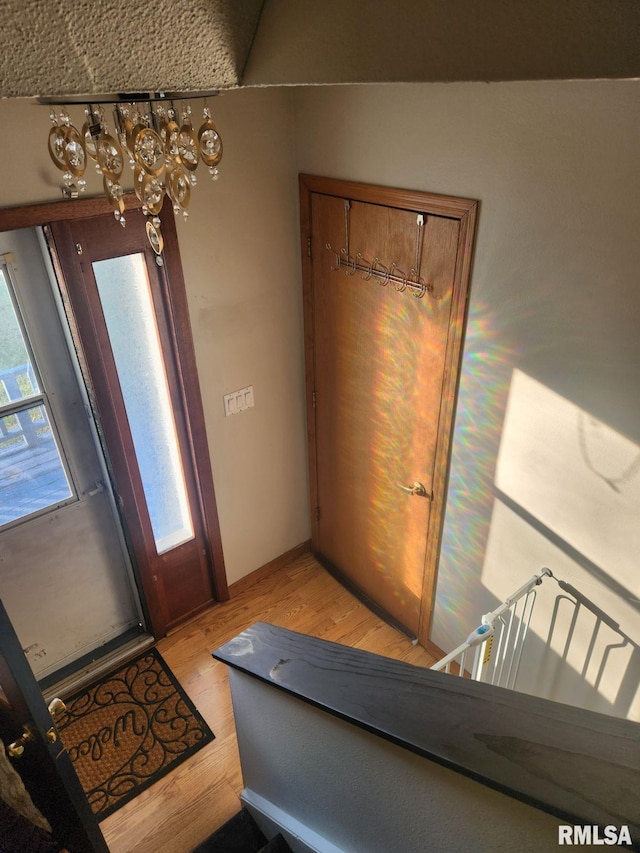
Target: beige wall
point(240, 257)
point(553, 322)
point(240, 253)
point(27, 174)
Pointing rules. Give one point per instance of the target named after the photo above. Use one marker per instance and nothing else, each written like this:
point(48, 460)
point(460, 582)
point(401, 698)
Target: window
point(127, 306)
point(33, 474)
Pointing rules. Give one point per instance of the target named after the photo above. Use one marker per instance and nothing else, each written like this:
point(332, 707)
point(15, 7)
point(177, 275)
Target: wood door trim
point(421, 202)
point(465, 212)
point(34, 215)
point(167, 286)
point(450, 384)
point(126, 477)
point(309, 346)
point(189, 384)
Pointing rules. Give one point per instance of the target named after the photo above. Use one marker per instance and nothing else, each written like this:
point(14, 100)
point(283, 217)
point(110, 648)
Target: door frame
point(41, 215)
point(465, 211)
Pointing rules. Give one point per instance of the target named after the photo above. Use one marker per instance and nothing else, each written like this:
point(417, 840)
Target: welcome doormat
point(128, 730)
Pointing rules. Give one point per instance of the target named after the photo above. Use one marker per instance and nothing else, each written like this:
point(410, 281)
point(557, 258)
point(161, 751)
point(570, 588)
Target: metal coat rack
point(385, 274)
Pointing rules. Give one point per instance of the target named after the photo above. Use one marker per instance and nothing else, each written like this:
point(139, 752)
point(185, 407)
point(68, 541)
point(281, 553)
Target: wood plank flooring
point(184, 808)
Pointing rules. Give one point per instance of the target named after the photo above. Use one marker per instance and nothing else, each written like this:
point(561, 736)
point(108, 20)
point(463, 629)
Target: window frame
point(41, 398)
point(170, 598)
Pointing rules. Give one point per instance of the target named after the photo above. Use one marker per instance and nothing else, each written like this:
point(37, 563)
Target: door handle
point(57, 708)
point(417, 489)
point(98, 490)
point(16, 749)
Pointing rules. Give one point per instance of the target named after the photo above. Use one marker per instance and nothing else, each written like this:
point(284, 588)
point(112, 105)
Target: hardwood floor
point(181, 810)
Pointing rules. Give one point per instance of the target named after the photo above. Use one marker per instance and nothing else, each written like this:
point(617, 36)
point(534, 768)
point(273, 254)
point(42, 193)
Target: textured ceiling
point(79, 47)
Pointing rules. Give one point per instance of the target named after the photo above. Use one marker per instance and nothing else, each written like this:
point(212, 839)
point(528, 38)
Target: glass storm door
point(135, 350)
point(65, 575)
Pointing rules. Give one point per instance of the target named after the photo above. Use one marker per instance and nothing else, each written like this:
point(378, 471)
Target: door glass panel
point(125, 295)
point(32, 474)
point(17, 377)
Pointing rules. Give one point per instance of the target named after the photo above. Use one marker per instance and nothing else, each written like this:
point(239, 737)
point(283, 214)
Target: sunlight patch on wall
point(568, 490)
point(570, 663)
point(575, 474)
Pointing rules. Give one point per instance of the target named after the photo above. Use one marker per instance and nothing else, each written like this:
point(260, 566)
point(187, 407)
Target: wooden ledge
point(581, 766)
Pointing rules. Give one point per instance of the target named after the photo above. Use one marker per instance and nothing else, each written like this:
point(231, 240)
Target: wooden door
point(386, 275)
point(129, 314)
point(39, 758)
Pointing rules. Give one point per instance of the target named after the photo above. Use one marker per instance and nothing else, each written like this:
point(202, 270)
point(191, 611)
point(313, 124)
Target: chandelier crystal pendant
point(155, 138)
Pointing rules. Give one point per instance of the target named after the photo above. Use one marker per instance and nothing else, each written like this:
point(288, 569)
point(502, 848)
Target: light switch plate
point(238, 401)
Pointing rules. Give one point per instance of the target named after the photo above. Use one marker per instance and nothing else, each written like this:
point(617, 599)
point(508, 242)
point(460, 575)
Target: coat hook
point(331, 249)
point(364, 262)
point(376, 269)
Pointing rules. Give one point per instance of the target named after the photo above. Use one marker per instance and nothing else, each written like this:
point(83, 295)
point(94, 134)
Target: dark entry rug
point(128, 730)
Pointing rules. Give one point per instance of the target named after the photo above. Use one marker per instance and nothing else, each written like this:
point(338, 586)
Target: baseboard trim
point(271, 819)
point(434, 650)
point(272, 566)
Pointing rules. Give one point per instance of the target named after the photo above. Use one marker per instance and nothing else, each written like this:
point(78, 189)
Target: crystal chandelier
point(156, 137)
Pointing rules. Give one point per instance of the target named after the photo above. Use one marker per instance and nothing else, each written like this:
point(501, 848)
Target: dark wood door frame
point(39, 215)
point(465, 212)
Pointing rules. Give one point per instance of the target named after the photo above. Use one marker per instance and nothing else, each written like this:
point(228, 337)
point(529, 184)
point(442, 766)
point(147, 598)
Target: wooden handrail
point(578, 765)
